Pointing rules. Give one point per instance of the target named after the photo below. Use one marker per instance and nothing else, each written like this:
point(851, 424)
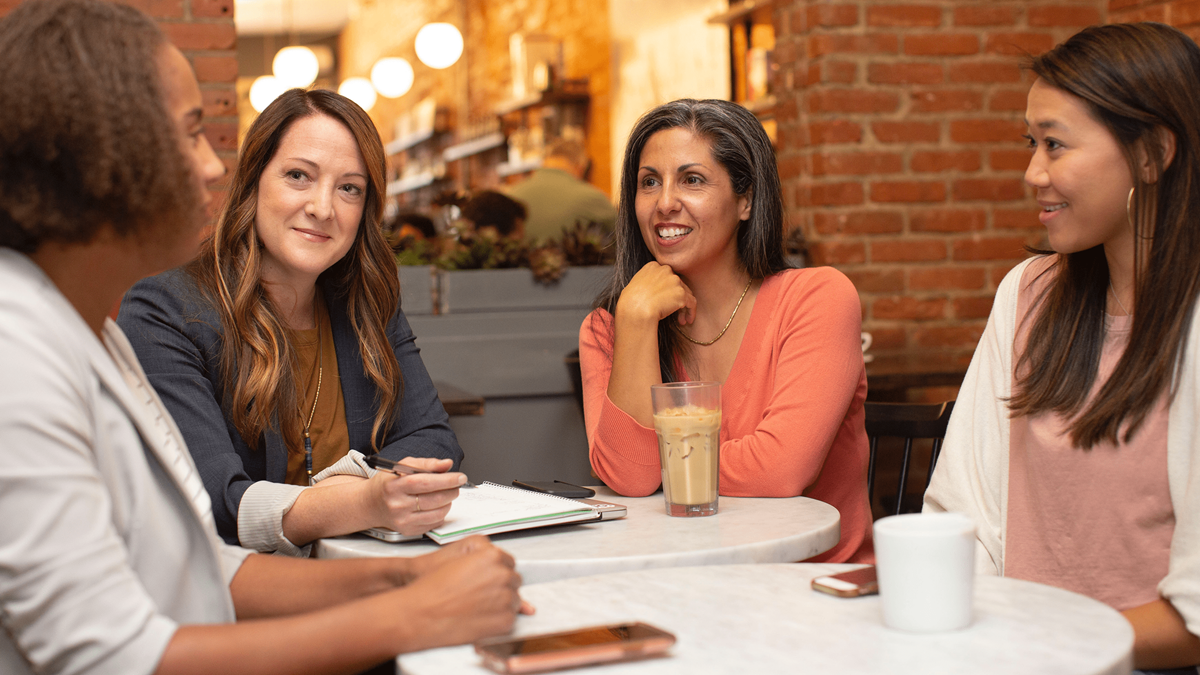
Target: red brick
point(908, 250)
point(977, 307)
point(904, 15)
point(948, 220)
point(212, 8)
point(1008, 100)
point(1114, 5)
point(989, 248)
point(812, 75)
point(839, 72)
point(940, 101)
point(985, 131)
point(940, 160)
point(877, 281)
point(1009, 160)
point(1019, 44)
point(984, 72)
point(836, 131)
point(215, 68)
point(222, 136)
point(907, 308)
point(1158, 13)
point(789, 167)
point(858, 222)
point(838, 252)
point(908, 191)
point(948, 336)
point(820, 45)
point(852, 101)
point(219, 102)
point(998, 271)
point(159, 9)
point(7, 6)
point(904, 73)
point(1017, 219)
point(1182, 13)
point(856, 163)
point(831, 194)
point(991, 189)
point(941, 44)
point(907, 132)
point(888, 338)
point(199, 36)
point(946, 278)
point(985, 15)
point(1064, 15)
point(832, 16)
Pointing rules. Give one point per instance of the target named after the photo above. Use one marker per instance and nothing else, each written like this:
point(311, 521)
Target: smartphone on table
point(849, 584)
point(569, 649)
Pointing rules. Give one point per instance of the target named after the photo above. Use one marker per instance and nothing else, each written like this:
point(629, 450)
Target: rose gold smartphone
point(848, 584)
point(586, 646)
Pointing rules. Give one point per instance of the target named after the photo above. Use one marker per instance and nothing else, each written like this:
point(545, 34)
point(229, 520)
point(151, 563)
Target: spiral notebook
point(491, 508)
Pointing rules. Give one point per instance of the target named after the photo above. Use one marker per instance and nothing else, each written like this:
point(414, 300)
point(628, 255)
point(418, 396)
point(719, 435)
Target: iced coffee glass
point(687, 419)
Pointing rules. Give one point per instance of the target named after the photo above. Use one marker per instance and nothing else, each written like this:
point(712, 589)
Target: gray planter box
point(503, 336)
point(417, 289)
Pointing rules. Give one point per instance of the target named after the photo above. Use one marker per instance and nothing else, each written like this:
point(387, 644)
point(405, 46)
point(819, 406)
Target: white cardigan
point(107, 540)
point(972, 473)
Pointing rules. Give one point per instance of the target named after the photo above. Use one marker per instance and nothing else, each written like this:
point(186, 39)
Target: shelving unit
point(751, 43)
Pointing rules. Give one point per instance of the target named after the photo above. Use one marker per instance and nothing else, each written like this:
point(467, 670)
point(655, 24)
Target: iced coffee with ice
point(687, 419)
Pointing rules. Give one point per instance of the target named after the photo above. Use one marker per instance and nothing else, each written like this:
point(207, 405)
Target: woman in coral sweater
point(702, 291)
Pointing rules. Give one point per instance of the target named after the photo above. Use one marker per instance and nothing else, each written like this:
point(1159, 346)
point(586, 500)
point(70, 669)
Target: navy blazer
point(177, 336)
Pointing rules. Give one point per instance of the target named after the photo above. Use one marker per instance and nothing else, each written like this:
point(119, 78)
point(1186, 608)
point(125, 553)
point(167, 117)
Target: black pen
point(399, 468)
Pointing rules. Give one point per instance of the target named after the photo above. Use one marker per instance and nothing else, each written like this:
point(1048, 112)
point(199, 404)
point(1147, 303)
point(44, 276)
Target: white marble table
point(767, 619)
point(745, 530)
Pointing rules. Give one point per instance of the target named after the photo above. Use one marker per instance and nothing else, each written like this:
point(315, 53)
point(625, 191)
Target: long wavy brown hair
point(257, 357)
point(1136, 79)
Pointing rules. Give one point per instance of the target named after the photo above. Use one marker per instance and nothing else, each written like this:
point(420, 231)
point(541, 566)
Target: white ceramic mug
point(926, 567)
point(866, 344)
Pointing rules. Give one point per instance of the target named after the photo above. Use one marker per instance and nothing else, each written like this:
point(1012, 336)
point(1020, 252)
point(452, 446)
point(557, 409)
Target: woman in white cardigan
point(109, 557)
point(1073, 438)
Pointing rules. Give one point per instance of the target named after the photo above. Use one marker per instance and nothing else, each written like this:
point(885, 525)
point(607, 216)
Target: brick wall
point(203, 30)
point(901, 153)
point(1183, 14)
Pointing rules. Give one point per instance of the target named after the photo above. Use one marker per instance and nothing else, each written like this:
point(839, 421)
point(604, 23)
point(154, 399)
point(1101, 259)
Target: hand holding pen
point(413, 496)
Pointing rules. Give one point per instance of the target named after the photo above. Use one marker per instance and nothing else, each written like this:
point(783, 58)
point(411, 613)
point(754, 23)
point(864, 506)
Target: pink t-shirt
point(1099, 521)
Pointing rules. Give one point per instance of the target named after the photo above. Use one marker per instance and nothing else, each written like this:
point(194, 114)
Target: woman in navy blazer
point(297, 258)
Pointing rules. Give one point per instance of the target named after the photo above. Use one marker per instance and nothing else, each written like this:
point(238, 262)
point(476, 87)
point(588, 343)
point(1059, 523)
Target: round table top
point(767, 619)
point(745, 530)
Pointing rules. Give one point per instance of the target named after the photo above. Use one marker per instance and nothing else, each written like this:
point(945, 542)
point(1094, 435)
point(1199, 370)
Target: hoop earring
point(1129, 207)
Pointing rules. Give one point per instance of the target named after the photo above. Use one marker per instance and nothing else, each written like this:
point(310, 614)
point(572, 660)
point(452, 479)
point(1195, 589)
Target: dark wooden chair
point(576, 374)
point(909, 421)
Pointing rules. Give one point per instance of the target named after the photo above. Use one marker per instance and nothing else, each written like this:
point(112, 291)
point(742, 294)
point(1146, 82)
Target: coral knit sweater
point(792, 406)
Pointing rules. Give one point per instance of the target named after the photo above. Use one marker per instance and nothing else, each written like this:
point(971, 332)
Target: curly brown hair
point(257, 358)
point(86, 140)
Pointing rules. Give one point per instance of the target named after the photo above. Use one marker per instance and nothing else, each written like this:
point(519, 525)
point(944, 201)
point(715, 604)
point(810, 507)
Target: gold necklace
point(727, 323)
point(308, 461)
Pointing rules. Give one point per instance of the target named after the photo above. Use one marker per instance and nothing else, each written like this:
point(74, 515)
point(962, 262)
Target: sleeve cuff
point(260, 518)
point(353, 464)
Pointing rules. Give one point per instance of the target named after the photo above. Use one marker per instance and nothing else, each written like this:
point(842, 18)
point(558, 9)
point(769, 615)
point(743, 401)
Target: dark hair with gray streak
point(85, 137)
point(740, 145)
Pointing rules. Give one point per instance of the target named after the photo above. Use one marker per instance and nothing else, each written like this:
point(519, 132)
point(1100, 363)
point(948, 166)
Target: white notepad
point(491, 509)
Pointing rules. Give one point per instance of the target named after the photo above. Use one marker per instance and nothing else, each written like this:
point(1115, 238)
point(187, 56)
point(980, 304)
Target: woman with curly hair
point(109, 557)
point(281, 350)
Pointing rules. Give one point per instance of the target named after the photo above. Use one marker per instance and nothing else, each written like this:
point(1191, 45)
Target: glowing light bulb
point(439, 45)
point(296, 66)
point(392, 77)
point(264, 90)
point(359, 90)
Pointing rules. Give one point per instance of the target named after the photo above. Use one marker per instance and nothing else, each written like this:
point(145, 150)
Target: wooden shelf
point(740, 11)
point(402, 144)
point(473, 146)
point(569, 95)
point(508, 169)
point(411, 183)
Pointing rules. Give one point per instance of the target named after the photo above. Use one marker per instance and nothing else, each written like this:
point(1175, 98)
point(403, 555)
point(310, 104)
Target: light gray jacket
point(107, 539)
